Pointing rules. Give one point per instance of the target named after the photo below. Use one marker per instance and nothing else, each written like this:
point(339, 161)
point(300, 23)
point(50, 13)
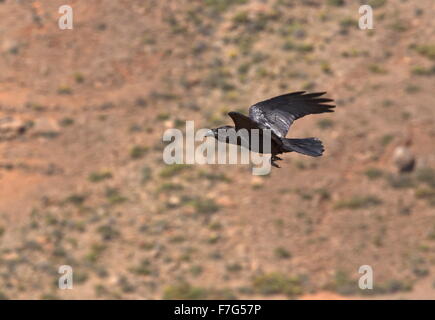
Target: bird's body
point(277, 115)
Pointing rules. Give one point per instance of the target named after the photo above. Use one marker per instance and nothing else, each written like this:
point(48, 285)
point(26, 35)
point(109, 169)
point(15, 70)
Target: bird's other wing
point(280, 112)
point(242, 122)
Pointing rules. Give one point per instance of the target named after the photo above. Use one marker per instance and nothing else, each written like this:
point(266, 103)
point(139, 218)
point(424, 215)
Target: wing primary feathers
point(296, 93)
point(322, 100)
point(326, 105)
point(313, 95)
point(278, 113)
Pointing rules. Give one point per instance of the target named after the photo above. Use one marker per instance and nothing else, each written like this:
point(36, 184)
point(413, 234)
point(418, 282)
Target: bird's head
point(216, 131)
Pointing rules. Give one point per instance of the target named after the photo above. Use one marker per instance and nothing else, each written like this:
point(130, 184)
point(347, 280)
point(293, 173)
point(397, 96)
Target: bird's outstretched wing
point(278, 113)
point(242, 122)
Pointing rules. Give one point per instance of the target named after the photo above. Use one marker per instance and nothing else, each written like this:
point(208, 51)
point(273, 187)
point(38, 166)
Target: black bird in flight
point(278, 114)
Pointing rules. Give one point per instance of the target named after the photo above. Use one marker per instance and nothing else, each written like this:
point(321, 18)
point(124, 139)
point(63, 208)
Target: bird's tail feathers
point(309, 146)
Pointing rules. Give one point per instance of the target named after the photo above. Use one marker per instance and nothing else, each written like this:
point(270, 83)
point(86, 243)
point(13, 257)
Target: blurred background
point(82, 181)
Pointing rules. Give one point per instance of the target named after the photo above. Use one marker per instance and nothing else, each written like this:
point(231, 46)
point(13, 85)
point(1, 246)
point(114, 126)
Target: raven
point(277, 114)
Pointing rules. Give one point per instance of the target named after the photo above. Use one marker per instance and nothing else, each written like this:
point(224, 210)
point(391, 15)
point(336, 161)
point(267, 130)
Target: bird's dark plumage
point(278, 114)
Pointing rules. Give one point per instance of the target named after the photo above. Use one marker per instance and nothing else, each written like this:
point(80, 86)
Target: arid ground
point(83, 183)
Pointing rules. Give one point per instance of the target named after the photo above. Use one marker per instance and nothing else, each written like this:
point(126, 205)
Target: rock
point(11, 128)
point(174, 200)
point(224, 201)
point(45, 127)
point(11, 256)
point(169, 124)
point(257, 181)
point(10, 46)
point(403, 159)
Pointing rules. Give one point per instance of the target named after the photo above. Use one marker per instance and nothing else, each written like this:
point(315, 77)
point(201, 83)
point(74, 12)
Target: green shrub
point(375, 68)
point(400, 181)
point(343, 284)
point(184, 291)
point(146, 174)
point(282, 253)
point(325, 123)
point(204, 206)
point(173, 170)
point(427, 50)
point(65, 122)
point(64, 90)
point(76, 199)
point(100, 176)
point(168, 187)
point(114, 196)
point(277, 283)
point(358, 202)
point(373, 173)
point(143, 269)
point(426, 175)
point(386, 139)
point(108, 232)
point(376, 3)
point(222, 5)
point(336, 3)
point(138, 152)
point(422, 71)
point(427, 194)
